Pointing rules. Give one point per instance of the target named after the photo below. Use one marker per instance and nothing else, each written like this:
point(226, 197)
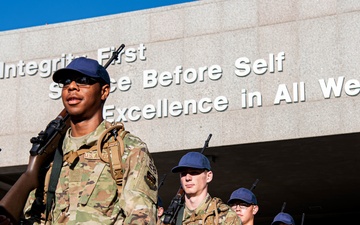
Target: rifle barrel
point(206, 143)
point(283, 207)
point(114, 55)
point(254, 185)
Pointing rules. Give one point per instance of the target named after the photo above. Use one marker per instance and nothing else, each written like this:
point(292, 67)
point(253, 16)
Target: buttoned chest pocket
point(100, 190)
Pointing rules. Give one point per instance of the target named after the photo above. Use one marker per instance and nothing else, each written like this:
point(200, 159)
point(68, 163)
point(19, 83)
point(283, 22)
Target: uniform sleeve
point(139, 193)
point(232, 219)
point(29, 202)
point(230, 216)
point(28, 210)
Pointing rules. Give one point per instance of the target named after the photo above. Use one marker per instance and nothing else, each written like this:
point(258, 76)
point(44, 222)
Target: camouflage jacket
point(87, 194)
point(211, 211)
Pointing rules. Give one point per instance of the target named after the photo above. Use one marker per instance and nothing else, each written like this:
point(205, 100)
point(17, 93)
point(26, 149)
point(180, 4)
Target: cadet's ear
point(255, 209)
point(209, 176)
point(105, 90)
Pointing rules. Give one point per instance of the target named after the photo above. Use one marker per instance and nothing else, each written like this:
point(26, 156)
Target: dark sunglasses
point(80, 81)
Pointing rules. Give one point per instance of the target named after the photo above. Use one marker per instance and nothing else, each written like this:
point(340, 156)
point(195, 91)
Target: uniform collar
point(201, 208)
point(90, 139)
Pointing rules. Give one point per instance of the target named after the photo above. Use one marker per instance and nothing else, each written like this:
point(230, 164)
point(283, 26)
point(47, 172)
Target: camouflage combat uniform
point(211, 211)
point(88, 194)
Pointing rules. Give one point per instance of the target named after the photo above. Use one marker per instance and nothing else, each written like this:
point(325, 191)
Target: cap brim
point(65, 72)
point(178, 169)
point(278, 221)
point(239, 199)
point(60, 74)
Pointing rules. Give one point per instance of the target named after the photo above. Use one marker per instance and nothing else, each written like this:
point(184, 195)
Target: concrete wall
point(319, 41)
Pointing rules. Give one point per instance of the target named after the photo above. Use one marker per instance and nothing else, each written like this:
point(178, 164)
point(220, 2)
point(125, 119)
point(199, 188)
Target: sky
point(27, 13)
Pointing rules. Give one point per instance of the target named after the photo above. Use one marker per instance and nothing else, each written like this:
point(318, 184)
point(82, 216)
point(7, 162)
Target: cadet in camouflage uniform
point(86, 192)
point(244, 203)
point(200, 207)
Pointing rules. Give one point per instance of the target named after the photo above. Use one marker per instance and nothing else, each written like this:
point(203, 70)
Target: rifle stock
point(171, 213)
point(41, 153)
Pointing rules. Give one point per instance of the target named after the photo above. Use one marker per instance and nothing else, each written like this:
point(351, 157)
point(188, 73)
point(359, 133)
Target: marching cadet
point(86, 190)
point(200, 208)
point(244, 203)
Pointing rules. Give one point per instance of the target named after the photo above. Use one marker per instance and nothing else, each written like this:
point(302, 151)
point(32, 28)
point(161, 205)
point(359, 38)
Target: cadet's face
point(194, 181)
point(160, 211)
point(84, 101)
point(244, 210)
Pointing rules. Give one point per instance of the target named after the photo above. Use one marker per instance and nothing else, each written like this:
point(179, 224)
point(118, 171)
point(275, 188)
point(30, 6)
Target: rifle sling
point(114, 150)
point(54, 177)
point(180, 216)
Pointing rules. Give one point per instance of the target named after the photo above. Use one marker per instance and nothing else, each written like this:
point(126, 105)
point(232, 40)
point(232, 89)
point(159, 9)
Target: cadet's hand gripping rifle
point(41, 154)
point(178, 201)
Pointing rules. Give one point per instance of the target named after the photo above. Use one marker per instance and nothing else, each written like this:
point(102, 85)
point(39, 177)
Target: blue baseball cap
point(194, 160)
point(160, 202)
point(243, 194)
point(85, 66)
point(284, 218)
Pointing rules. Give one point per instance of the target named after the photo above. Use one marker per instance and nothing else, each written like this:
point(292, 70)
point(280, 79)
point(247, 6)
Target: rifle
point(178, 201)
point(254, 185)
point(161, 183)
point(41, 154)
point(283, 207)
point(302, 218)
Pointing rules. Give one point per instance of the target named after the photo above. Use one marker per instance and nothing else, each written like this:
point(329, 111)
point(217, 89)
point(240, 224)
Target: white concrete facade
point(303, 60)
